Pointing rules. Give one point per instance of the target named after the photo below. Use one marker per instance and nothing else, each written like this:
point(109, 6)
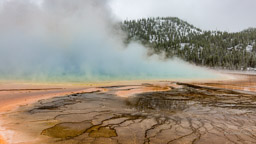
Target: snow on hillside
point(162, 29)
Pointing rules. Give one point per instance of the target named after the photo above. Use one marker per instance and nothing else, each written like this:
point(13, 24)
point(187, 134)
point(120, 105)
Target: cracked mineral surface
point(196, 113)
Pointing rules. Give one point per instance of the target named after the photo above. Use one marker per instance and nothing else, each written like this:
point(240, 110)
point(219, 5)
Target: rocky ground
point(186, 113)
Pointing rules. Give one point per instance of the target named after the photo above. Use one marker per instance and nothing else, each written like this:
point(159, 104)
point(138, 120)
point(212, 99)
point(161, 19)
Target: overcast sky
point(228, 15)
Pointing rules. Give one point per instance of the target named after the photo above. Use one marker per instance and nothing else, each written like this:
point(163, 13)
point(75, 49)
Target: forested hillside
point(178, 38)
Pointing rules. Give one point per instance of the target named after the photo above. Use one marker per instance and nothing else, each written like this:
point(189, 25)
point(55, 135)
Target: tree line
point(175, 37)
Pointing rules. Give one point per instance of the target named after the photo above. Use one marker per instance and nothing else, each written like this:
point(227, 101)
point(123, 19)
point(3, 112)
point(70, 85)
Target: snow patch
point(249, 48)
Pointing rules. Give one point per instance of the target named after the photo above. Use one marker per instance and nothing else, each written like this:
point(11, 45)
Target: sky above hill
point(227, 15)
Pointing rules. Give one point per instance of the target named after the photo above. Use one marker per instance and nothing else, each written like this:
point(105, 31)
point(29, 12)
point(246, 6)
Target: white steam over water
point(75, 40)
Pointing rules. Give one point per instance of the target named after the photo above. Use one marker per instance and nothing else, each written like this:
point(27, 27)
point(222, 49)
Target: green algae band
point(67, 130)
point(97, 131)
point(71, 130)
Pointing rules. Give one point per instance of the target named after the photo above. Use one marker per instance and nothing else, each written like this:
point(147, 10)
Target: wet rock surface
point(188, 114)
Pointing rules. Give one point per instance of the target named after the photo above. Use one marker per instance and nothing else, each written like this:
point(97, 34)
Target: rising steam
point(75, 40)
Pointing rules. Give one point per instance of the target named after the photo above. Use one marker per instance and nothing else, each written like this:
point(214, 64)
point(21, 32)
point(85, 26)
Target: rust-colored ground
point(1, 140)
point(96, 112)
point(13, 95)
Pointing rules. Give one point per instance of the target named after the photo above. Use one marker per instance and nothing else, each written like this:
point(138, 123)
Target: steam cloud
point(75, 40)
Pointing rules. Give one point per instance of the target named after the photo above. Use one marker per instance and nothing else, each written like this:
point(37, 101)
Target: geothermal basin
point(165, 112)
